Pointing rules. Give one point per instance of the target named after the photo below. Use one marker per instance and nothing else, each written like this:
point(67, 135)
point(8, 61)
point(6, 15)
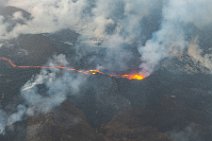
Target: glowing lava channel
point(130, 76)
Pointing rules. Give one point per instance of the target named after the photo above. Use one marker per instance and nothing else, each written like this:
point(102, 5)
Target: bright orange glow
point(135, 76)
point(130, 76)
point(95, 72)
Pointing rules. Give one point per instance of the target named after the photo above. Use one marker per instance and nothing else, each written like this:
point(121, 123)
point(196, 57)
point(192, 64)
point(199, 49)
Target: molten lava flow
point(130, 76)
point(95, 72)
point(135, 76)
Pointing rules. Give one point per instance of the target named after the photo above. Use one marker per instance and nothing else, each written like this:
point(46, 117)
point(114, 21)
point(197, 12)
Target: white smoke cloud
point(189, 11)
point(3, 3)
point(115, 23)
point(58, 88)
point(7, 119)
point(59, 85)
point(171, 36)
point(17, 116)
point(111, 24)
point(197, 55)
point(169, 39)
point(49, 16)
point(3, 121)
point(89, 18)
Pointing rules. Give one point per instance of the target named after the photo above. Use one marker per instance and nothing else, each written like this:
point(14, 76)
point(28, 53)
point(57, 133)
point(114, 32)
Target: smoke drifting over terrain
point(172, 36)
point(112, 24)
point(57, 90)
point(43, 93)
point(195, 52)
point(2, 3)
point(117, 24)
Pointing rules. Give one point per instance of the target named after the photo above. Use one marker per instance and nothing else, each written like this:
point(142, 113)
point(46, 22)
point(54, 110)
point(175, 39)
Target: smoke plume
point(107, 24)
point(171, 37)
point(56, 87)
point(118, 27)
point(3, 3)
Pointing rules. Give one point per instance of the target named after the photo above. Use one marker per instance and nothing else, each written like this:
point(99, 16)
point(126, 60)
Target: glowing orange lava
point(95, 72)
point(130, 76)
point(135, 76)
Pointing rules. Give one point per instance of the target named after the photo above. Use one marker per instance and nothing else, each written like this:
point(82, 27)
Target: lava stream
point(130, 76)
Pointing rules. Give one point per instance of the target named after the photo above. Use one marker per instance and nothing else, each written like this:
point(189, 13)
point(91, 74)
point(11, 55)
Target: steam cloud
point(111, 24)
point(58, 88)
point(172, 35)
point(2, 3)
point(118, 26)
